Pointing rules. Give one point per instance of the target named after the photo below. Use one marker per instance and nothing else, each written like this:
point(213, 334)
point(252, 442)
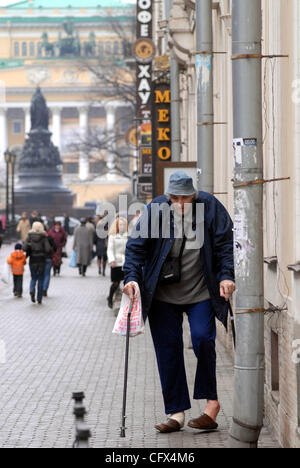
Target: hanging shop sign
point(144, 52)
point(161, 123)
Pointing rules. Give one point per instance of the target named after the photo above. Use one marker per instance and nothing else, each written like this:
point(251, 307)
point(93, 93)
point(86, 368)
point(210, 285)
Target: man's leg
point(166, 329)
point(47, 275)
point(19, 285)
point(40, 278)
point(203, 333)
point(33, 280)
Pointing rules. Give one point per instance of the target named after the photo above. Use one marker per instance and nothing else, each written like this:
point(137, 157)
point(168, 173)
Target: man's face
point(179, 202)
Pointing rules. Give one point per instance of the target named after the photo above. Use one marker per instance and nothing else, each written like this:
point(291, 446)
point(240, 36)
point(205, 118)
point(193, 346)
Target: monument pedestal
point(40, 185)
point(43, 192)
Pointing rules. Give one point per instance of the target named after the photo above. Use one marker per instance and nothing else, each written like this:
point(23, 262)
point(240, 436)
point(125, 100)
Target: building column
point(83, 156)
point(110, 129)
point(3, 142)
point(56, 127)
point(27, 121)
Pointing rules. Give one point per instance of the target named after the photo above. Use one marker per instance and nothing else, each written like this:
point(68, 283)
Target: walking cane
point(232, 324)
point(123, 428)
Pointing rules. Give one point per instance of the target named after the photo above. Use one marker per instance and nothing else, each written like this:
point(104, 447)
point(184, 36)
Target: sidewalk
point(66, 345)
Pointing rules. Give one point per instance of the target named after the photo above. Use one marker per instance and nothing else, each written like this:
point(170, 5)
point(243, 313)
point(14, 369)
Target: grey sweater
point(192, 287)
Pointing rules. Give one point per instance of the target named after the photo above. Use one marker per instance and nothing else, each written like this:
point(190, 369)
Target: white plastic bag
point(137, 326)
point(6, 274)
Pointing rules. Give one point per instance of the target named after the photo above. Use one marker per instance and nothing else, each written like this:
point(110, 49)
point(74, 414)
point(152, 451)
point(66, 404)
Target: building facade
point(175, 33)
point(59, 45)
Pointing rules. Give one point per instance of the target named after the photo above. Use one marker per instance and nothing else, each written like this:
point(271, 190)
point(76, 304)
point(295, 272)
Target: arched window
point(32, 49)
point(24, 49)
point(116, 48)
point(108, 48)
point(17, 49)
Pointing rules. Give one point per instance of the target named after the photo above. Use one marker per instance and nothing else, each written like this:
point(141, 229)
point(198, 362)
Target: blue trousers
point(47, 274)
point(166, 328)
point(37, 276)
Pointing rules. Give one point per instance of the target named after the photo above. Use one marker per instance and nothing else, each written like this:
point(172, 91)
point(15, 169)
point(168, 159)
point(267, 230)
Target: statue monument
point(40, 183)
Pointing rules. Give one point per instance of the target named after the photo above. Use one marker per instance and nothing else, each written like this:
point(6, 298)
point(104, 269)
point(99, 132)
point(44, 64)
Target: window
point(275, 364)
point(32, 49)
point(100, 49)
point(108, 48)
point(71, 168)
point(24, 49)
point(116, 48)
point(17, 127)
point(39, 49)
point(17, 49)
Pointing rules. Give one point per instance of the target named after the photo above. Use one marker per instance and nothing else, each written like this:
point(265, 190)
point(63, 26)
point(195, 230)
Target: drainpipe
point(175, 97)
point(205, 111)
point(175, 110)
point(248, 200)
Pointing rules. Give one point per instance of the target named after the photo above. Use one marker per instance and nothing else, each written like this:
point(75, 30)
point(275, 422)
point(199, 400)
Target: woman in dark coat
point(101, 246)
point(59, 237)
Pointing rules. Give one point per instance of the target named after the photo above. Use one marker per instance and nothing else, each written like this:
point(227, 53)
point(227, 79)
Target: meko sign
point(162, 120)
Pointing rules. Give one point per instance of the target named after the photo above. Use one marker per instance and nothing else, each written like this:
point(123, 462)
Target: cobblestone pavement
point(66, 345)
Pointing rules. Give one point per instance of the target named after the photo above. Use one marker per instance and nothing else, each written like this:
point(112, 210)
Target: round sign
point(144, 50)
point(132, 137)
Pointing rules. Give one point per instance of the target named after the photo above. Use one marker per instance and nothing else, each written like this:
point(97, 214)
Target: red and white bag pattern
point(137, 326)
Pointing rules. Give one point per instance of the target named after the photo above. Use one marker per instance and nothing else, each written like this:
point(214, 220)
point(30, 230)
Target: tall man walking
point(176, 275)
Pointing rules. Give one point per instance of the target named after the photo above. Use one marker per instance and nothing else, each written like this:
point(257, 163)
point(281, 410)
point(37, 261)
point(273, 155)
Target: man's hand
point(130, 290)
point(227, 287)
point(113, 264)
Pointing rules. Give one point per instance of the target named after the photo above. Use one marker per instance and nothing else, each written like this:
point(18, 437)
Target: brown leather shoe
point(204, 422)
point(169, 426)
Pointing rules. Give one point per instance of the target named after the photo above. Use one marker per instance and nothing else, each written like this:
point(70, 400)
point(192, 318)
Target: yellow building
point(48, 43)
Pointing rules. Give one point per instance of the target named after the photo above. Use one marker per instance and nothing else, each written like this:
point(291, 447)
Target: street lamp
point(10, 159)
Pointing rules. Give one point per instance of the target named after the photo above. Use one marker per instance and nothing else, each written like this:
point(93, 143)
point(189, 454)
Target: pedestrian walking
point(118, 237)
point(48, 265)
point(23, 227)
point(51, 222)
point(175, 277)
point(37, 247)
point(35, 217)
point(59, 236)
point(17, 261)
point(134, 221)
point(67, 224)
point(83, 246)
point(101, 245)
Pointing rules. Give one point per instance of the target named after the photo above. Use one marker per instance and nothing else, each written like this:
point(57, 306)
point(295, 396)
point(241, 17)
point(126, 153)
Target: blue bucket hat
point(180, 184)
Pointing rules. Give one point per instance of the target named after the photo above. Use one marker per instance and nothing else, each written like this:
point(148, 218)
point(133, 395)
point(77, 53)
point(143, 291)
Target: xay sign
point(144, 52)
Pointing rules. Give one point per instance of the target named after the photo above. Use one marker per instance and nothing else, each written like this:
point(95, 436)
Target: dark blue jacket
point(145, 256)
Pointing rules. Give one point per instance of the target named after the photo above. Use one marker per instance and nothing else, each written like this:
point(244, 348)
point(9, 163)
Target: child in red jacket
point(17, 260)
